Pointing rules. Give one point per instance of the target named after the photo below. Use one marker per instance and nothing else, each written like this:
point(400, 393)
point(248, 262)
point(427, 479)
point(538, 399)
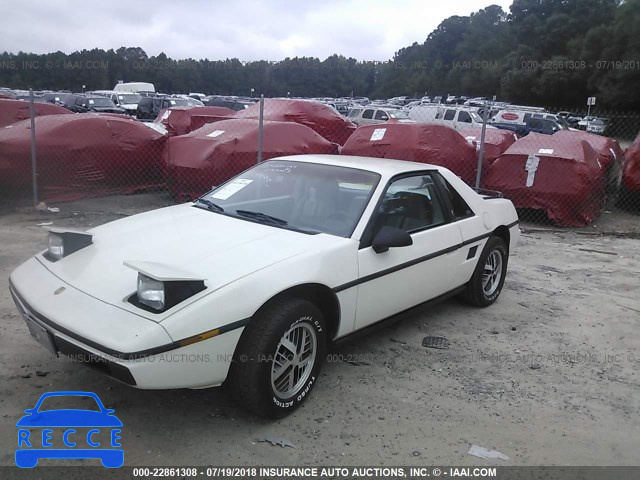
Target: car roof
point(384, 166)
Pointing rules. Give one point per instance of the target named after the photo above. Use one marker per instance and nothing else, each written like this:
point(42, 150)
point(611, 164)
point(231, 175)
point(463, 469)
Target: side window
point(410, 204)
point(459, 208)
point(381, 115)
point(449, 114)
point(535, 123)
point(367, 114)
point(464, 117)
point(538, 115)
point(526, 117)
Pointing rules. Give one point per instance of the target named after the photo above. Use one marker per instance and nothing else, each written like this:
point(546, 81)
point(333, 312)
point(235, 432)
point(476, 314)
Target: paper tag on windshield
point(377, 134)
point(166, 114)
point(215, 133)
point(231, 188)
point(172, 102)
point(545, 151)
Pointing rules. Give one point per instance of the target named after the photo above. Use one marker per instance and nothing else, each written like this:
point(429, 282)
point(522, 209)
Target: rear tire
point(278, 358)
point(488, 278)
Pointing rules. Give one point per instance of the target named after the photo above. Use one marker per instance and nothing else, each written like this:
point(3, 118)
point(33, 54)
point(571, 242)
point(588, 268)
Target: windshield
point(399, 114)
point(65, 402)
point(100, 102)
point(192, 102)
point(476, 118)
point(129, 98)
point(305, 197)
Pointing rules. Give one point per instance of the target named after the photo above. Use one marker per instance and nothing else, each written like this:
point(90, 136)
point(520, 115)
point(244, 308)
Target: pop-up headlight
point(161, 286)
point(151, 292)
point(64, 243)
point(56, 246)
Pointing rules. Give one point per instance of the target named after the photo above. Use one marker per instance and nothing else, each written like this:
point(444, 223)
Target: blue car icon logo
point(69, 433)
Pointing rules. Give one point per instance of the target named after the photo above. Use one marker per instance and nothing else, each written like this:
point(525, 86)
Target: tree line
point(543, 52)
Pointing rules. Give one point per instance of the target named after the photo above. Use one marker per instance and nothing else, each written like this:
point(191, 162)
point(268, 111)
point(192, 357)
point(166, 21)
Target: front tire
point(488, 278)
point(278, 358)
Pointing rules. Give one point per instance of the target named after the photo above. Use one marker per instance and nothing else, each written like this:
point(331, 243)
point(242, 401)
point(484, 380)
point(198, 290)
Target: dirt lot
point(549, 375)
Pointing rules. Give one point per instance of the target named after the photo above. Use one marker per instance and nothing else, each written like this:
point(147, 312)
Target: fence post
point(260, 128)
point(481, 151)
point(34, 162)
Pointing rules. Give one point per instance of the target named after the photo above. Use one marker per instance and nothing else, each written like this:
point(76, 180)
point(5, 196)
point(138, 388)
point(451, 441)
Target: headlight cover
point(151, 292)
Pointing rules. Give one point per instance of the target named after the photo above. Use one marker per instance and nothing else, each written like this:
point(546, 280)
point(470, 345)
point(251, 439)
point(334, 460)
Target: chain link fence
point(564, 168)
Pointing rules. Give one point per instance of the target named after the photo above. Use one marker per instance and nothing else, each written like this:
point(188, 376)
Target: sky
point(218, 29)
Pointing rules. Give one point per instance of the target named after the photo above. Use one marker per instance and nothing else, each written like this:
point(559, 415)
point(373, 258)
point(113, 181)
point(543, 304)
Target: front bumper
point(109, 339)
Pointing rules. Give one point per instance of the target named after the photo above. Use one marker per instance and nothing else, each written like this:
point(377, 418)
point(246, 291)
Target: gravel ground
point(549, 375)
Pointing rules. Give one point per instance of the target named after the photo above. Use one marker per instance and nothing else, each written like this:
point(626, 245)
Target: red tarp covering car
point(12, 111)
point(81, 155)
point(631, 169)
point(610, 154)
point(417, 142)
point(216, 152)
point(558, 175)
point(182, 120)
point(496, 141)
point(320, 118)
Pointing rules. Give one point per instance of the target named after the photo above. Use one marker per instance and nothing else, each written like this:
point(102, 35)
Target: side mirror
point(388, 237)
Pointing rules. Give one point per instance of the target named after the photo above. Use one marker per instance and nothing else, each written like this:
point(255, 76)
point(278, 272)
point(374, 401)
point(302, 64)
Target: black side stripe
point(415, 261)
point(24, 306)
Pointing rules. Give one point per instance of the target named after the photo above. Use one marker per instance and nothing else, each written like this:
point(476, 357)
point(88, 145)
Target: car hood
point(198, 243)
point(108, 109)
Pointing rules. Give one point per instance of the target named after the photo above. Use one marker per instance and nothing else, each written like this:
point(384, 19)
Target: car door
point(403, 277)
point(367, 117)
point(381, 116)
point(463, 120)
point(449, 118)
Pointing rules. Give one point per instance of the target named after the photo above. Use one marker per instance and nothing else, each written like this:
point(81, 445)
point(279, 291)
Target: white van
point(127, 100)
point(376, 115)
point(135, 87)
point(517, 116)
point(454, 117)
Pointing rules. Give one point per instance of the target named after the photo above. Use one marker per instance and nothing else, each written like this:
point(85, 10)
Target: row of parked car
point(143, 104)
point(141, 100)
point(519, 119)
point(189, 149)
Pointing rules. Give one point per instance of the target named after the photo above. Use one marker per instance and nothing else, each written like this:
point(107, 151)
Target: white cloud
point(246, 29)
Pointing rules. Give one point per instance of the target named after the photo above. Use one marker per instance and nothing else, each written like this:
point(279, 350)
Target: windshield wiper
point(262, 216)
point(213, 207)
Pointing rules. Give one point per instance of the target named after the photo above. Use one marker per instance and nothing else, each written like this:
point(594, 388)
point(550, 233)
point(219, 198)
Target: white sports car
point(250, 283)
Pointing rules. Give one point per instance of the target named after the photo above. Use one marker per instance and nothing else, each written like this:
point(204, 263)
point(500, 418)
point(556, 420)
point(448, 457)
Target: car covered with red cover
point(416, 142)
point(79, 155)
point(610, 155)
point(560, 176)
point(317, 116)
point(12, 111)
point(631, 168)
point(496, 141)
point(218, 151)
point(182, 120)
